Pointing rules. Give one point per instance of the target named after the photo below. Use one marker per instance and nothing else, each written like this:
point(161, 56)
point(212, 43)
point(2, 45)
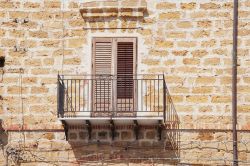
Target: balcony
point(113, 99)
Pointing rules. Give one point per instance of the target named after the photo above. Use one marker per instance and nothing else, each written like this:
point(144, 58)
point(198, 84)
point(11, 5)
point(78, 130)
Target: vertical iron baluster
point(150, 94)
point(129, 94)
point(154, 95)
point(164, 98)
point(125, 92)
point(79, 95)
point(133, 94)
point(83, 96)
point(141, 95)
point(100, 96)
point(58, 96)
point(95, 83)
point(108, 95)
point(67, 97)
point(75, 95)
point(103, 94)
point(71, 97)
point(158, 96)
point(89, 99)
point(146, 84)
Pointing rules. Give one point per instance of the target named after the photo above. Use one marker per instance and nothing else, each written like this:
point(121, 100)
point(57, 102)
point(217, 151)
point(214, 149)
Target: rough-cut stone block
point(165, 5)
point(151, 134)
point(188, 6)
point(186, 44)
point(202, 90)
point(8, 42)
point(76, 43)
point(72, 136)
point(176, 35)
point(191, 61)
point(83, 135)
point(205, 80)
point(72, 61)
point(38, 34)
point(199, 53)
point(221, 99)
point(6, 4)
point(184, 24)
point(169, 15)
point(39, 90)
point(197, 99)
point(49, 136)
point(164, 44)
point(209, 5)
point(212, 61)
point(150, 61)
point(180, 52)
point(52, 4)
point(126, 135)
point(103, 135)
point(244, 108)
point(31, 5)
point(51, 43)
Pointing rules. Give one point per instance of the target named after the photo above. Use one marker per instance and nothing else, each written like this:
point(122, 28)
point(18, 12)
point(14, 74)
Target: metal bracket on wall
point(89, 128)
point(159, 129)
point(136, 129)
point(112, 128)
point(66, 128)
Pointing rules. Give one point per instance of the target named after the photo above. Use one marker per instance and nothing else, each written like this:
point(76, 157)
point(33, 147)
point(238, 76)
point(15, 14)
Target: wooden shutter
point(102, 68)
point(114, 64)
point(126, 54)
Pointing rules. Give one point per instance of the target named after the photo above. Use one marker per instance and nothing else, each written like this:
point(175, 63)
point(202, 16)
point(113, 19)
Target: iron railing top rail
point(112, 77)
point(109, 74)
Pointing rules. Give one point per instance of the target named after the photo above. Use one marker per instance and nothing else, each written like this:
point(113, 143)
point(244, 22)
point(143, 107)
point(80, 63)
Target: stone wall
point(189, 41)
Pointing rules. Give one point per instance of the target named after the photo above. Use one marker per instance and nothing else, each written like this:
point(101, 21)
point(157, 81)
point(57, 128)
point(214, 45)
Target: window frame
point(114, 49)
point(114, 42)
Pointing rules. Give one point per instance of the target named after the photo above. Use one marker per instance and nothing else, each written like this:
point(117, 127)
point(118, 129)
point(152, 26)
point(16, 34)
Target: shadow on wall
point(3, 136)
point(3, 139)
point(101, 149)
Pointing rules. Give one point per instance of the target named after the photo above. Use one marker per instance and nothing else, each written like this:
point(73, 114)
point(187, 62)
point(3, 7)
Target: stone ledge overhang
point(118, 121)
point(112, 12)
point(123, 9)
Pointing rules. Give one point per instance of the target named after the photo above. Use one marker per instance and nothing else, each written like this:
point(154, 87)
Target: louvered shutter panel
point(125, 69)
point(103, 55)
point(125, 74)
point(102, 49)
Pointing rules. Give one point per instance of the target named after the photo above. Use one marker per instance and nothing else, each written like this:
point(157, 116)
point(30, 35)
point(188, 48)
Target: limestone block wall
point(189, 41)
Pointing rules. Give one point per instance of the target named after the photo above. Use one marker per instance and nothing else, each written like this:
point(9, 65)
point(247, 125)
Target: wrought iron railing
point(172, 121)
point(118, 96)
point(111, 96)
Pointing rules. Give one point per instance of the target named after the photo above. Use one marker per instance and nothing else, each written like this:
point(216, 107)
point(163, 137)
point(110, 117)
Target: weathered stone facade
point(189, 41)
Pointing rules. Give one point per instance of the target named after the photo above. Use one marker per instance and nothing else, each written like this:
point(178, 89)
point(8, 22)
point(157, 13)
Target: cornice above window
point(105, 9)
